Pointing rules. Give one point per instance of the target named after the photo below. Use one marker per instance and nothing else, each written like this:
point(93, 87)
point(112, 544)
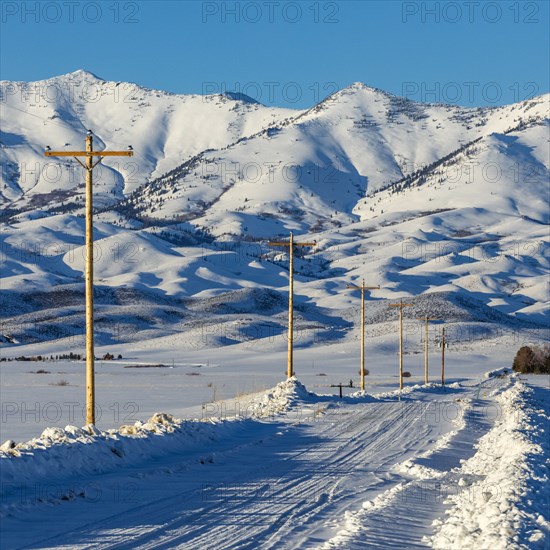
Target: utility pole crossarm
point(88, 154)
point(287, 243)
point(356, 287)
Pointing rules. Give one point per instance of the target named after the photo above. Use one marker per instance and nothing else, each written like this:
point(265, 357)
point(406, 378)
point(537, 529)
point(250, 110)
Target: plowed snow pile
point(506, 507)
point(59, 453)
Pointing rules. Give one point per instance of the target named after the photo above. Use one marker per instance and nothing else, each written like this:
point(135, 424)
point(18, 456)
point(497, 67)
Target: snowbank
point(279, 399)
point(506, 508)
point(61, 453)
point(432, 387)
point(504, 371)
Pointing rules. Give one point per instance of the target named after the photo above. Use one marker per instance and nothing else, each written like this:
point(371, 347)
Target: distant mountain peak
point(81, 74)
point(85, 73)
point(359, 86)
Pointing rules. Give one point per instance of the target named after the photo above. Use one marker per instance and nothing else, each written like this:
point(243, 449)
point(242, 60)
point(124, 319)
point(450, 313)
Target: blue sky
point(289, 53)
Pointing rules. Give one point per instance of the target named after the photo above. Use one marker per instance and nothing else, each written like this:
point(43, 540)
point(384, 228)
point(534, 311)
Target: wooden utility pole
point(443, 356)
point(290, 244)
point(401, 305)
point(427, 320)
point(89, 166)
point(362, 288)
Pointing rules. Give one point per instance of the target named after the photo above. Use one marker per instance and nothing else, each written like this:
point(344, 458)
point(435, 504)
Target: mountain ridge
point(422, 199)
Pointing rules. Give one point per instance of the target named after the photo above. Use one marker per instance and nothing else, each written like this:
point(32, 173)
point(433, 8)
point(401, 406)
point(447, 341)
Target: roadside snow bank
point(279, 399)
point(431, 387)
point(61, 453)
point(504, 371)
point(506, 507)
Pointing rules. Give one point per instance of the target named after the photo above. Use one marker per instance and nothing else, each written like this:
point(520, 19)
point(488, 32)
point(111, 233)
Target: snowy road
point(351, 473)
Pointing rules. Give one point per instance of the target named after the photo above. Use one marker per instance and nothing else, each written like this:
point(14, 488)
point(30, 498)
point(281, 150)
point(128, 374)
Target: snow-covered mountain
point(435, 200)
point(166, 129)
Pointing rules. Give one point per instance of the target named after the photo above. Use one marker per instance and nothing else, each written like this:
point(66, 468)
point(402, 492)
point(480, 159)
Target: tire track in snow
point(253, 520)
point(287, 484)
point(411, 506)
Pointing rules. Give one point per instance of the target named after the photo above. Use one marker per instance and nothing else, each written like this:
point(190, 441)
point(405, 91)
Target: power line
point(49, 121)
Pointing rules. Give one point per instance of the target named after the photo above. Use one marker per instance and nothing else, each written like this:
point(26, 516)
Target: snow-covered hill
point(419, 198)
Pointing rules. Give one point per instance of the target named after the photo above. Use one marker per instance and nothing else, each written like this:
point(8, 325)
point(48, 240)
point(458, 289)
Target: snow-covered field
point(161, 375)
